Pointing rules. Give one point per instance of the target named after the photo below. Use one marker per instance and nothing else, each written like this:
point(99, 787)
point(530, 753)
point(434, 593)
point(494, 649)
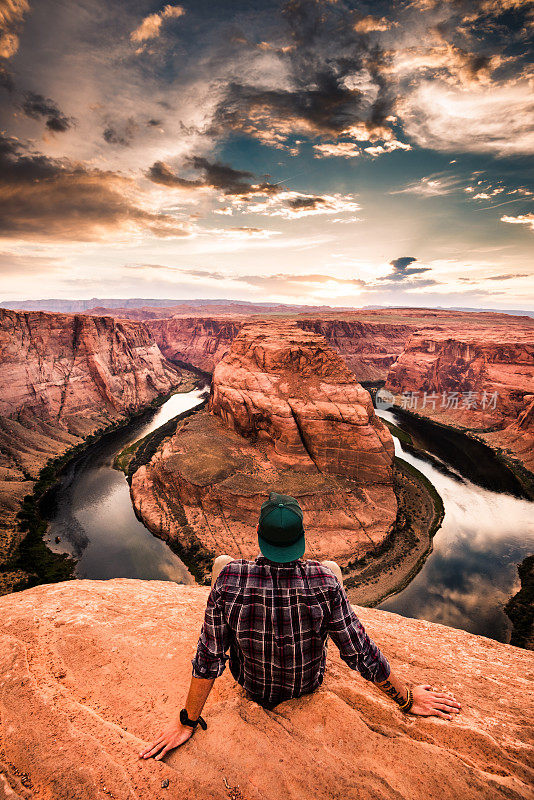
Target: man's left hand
point(173, 736)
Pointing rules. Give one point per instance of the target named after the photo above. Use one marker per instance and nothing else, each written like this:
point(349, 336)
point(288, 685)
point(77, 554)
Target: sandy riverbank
point(402, 555)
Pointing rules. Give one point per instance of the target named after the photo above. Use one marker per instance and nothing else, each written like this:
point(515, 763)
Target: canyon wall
point(92, 671)
point(285, 415)
point(482, 381)
point(61, 378)
point(199, 341)
point(368, 348)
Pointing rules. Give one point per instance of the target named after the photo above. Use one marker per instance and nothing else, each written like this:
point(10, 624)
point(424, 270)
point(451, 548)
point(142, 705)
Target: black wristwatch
point(192, 723)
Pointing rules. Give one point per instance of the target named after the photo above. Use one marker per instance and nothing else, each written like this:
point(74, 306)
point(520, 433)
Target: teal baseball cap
point(281, 529)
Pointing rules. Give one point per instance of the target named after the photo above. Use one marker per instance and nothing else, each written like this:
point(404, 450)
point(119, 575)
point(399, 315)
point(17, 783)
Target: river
point(487, 529)
point(92, 514)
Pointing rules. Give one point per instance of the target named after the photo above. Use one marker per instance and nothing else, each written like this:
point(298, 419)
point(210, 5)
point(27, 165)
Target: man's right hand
point(428, 703)
point(174, 736)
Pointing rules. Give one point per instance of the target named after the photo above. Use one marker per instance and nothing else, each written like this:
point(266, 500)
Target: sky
point(310, 151)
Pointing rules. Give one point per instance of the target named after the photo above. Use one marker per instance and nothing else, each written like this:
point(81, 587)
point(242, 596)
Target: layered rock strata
point(92, 671)
point(199, 341)
point(368, 349)
point(61, 378)
point(482, 382)
point(286, 415)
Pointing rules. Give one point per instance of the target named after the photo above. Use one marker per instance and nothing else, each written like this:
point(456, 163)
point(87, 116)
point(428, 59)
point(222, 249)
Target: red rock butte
point(285, 414)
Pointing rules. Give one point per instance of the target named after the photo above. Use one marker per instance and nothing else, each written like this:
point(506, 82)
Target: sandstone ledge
point(92, 670)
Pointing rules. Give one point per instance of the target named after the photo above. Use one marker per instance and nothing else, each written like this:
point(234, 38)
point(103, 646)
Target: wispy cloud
point(521, 219)
point(487, 119)
point(437, 184)
point(150, 27)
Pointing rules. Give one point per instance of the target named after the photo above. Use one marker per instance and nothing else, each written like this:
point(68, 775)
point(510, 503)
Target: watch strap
point(192, 723)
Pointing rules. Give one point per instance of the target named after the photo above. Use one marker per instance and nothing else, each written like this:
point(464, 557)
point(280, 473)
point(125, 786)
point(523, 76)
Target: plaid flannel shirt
point(275, 621)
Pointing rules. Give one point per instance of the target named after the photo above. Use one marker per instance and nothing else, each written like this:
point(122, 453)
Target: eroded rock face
point(286, 415)
point(61, 378)
point(200, 341)
point(62, 367)
point(288, 388)
point(92, 671)
point(367, 348)
point(482, 381)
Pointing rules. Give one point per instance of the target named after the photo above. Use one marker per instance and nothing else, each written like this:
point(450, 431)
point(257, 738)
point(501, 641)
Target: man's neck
point(277, 564)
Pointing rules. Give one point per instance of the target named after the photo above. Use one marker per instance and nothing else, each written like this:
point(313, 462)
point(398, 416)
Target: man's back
point(275, 620)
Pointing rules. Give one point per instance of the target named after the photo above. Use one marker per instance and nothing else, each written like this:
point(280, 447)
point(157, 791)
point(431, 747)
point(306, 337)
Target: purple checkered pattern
point(275, 621)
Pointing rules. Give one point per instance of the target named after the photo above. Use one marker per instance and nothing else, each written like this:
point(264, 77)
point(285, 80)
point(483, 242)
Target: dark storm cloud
point(121, 134)
point(300, 203)
point(402, 271)
point(222, 177)
point(6, 81)
point(37, 106)
point(325, 52)
point(43, 197)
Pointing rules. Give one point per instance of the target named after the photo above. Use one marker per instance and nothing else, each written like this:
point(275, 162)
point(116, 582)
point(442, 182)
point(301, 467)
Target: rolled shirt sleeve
point(355, 646)
point(210, 658)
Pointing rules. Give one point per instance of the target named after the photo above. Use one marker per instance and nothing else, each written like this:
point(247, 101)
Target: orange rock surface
point(92, 671)
point(286, 414)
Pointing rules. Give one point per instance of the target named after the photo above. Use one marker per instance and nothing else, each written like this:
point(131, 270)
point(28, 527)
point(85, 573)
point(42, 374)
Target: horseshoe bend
point(285, 414)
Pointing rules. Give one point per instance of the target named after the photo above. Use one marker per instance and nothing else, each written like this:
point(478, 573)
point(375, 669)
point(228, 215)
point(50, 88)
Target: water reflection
point(92, 514)
point(486, 531)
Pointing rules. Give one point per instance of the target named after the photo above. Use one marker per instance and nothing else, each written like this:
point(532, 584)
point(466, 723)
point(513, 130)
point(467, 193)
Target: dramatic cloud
point(402, 271)
point(37, 106)
point(355, 129)
point(121, 133)
point(494, 119)
point(150, 27)
point(11, 17)
point(327, 66)
point(48, 198)
point(223, 177)
point(292, 205)
point(521, 219)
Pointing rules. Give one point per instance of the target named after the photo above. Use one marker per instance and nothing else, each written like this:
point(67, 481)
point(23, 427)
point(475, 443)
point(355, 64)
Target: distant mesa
point(285, 414)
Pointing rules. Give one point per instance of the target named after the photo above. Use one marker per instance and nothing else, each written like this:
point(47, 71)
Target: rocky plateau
point(92, 671)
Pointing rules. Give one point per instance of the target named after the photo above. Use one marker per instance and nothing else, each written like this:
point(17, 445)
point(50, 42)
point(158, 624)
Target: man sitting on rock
point(274, 615)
